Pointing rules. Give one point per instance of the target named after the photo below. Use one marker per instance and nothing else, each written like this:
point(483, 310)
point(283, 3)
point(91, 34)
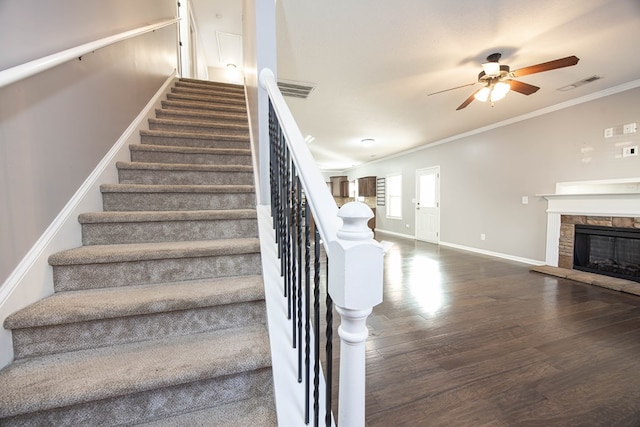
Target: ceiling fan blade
point(452, 88)
point(468, 100)
point(523, 88)
point(546, 66)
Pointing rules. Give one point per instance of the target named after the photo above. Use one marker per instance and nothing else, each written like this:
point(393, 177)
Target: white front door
point(428, 204)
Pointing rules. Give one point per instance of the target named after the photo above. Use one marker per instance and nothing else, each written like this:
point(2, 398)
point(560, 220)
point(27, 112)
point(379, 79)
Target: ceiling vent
point(579, 83)
point(296, 89)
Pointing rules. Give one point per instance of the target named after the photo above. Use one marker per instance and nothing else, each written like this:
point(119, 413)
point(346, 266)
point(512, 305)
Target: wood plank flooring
point(469, 340)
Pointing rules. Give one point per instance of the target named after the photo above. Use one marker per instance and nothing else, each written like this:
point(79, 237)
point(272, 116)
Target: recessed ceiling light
point(368, 141)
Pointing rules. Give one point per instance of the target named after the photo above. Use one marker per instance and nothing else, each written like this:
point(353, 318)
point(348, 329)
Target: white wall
point(55, 127)
point(484, 176)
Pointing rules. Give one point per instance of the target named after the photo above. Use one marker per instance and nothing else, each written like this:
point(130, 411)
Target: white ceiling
point(374, 62)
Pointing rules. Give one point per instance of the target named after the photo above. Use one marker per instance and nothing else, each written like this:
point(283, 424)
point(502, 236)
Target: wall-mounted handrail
point(28, 69)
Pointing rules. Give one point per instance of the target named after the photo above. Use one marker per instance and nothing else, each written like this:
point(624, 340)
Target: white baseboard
point(393, 233)
point(494, 254)
point(32, 279)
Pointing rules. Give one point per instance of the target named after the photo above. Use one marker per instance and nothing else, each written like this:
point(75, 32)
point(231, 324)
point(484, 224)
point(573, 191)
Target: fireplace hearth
point(610, 251)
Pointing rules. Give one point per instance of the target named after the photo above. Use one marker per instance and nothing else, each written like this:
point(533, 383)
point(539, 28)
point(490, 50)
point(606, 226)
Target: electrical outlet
point(630, 151)
point(483, 236)
point(629, 128)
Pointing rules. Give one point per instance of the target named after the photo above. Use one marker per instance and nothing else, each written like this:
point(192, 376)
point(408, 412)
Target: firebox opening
point(610, 251)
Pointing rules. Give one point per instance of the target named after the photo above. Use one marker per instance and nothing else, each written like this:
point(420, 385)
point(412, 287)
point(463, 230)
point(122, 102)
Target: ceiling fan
point(497, 79)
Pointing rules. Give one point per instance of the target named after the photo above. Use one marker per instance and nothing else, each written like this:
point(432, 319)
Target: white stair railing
point(354, 258)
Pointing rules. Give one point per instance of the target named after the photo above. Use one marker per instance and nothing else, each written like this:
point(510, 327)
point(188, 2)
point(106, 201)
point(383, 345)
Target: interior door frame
point(419, 172)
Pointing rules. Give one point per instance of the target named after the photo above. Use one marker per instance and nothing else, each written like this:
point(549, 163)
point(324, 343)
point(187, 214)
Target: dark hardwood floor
point(469, 340)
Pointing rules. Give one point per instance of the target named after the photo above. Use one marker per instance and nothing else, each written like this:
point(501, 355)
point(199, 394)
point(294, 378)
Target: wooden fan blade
point(523, 88)
point(468, 100)
point(452, 88)
point(546, 66)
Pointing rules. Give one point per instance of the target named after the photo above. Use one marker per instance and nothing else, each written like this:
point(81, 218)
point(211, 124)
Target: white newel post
point(355, 284)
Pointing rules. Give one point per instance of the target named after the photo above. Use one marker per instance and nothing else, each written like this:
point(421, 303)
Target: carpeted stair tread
point(102, 254)
point(215, 126)
point(202, 115)
point(213, 86)
point(199, 127)
point(183, 167)
point(210, 83)
point(188, 134)
point(189, 150)
point(202, 106)
point(60, 380)
point(256, 412)
point(207, 91)
point(152, 188)
point(207, 99)
point(109, 303)
point(155, 216)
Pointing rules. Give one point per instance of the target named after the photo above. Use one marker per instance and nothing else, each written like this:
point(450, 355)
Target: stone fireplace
point(610, 204)
point(607, 227)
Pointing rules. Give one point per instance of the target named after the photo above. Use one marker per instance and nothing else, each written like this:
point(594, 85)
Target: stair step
point(207, 99)
point(183, 174)
point(77, 320)
point(229, 87)
point(104, 266)
point(202, 115)
point(104, 228)
point(120, 384)
point(225, 131)
point(193, 155)
point(199, 90)
point(203, 106)
point(257, 412)
point(193, 139)
point(141, 197)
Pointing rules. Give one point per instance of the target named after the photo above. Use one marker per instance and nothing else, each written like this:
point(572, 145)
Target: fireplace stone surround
point(610, 203)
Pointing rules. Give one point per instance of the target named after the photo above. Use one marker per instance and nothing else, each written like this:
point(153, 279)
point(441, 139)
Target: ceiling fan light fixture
point(491, 69)
point(483, 94)
point(499, 91)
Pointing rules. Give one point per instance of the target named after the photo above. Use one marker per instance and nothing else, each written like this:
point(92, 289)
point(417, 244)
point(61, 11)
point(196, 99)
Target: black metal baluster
point(295, 243)
point(281, 210)
point(273, 123)
point(329, 353)
point(286, 224)
point(307, 307)
point(300, 230)
point(316, 327)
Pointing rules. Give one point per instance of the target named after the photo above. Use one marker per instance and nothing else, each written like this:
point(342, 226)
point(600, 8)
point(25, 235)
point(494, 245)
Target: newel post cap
point(355, 266)
point(354, 221)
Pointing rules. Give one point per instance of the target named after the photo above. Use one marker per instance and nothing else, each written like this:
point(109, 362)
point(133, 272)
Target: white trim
point(28, 69)
point(561, 106)
point(493, 254)
point(387, 194)
point(32, 279)
point(393, 233)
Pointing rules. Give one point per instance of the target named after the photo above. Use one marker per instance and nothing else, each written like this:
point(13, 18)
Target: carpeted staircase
point(159, 318)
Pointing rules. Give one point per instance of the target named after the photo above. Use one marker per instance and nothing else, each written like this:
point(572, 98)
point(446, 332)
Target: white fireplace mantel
point(591, 198)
